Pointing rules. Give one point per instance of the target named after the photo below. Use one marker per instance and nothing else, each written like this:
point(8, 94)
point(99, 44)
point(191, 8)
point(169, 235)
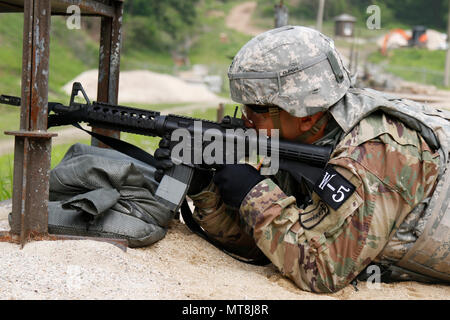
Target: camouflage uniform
point(392, 166)
point(320, 249)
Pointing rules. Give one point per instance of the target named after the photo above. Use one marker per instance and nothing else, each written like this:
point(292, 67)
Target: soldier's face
point(292, 126)
point(257, 119)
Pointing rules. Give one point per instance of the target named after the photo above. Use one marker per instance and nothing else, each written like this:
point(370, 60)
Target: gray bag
point(103, 193)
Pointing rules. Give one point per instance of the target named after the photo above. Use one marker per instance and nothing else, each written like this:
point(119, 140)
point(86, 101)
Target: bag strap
point(122, 146)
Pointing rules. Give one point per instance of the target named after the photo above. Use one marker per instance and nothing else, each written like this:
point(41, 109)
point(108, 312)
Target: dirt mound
point(142, 86)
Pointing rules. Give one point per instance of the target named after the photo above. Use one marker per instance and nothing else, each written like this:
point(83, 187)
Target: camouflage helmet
point(292, 67)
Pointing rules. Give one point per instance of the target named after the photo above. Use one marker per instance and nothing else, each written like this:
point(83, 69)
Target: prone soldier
point(384, 197)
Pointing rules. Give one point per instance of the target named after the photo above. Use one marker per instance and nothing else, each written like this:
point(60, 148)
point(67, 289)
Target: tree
point(431, 13)
point(159, 24)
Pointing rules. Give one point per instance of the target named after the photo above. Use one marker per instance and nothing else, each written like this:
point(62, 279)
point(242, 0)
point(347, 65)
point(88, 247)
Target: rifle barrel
point(10, 100)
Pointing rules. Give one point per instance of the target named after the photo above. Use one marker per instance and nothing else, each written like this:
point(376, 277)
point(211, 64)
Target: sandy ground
point(180, 266)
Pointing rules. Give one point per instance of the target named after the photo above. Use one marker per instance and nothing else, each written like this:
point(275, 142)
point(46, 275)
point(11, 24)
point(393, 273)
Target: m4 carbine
point(301, 160)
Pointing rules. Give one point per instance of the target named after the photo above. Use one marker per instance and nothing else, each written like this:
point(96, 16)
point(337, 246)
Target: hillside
point(71, 52)
point(210, 34)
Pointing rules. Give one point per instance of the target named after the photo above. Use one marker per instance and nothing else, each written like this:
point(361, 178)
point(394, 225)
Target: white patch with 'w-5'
point(333, 188)
point(326, 179)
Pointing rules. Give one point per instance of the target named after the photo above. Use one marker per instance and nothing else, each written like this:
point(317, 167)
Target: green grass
point(413, 64)
point(211, 113)
point(71, 53)
point(6, 174)
point(413, 57)
point(7, 168)
point(207, 47)
point(148, 60)
point(11, 26)
point(9, 120)
point(74, 51)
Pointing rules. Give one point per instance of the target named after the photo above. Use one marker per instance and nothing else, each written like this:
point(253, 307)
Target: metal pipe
point(109, 66)
point(32, 149)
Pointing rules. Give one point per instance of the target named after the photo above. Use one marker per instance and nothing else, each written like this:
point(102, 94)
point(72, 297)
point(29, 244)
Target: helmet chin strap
point(315, 129)
point(275, 115)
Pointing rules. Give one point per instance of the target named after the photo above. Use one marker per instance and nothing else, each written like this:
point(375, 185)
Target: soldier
point(390, 161)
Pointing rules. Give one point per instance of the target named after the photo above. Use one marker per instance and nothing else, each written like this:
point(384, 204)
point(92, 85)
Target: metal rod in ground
point(220, 111)
point(320, 15)
point(32, 143)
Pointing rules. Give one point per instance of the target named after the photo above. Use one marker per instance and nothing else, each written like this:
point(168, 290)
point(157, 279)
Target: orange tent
point(422, 39)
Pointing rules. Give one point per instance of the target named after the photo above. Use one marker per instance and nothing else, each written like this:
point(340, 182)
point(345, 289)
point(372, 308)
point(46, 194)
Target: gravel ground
point(180, 266)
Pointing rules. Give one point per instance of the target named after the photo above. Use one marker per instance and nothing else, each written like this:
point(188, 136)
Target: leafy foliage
point(159, 24)
point(432, 13)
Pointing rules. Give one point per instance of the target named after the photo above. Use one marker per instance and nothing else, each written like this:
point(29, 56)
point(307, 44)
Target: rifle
point(303, 161)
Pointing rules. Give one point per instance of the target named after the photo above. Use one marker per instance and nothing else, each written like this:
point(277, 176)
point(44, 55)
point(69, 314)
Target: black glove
point(162, 156)
point(235, 181)
point(201, 179)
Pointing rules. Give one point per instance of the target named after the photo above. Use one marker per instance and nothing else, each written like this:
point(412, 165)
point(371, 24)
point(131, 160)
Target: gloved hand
point(162, 156)
point(235, 181)
point(201, 179)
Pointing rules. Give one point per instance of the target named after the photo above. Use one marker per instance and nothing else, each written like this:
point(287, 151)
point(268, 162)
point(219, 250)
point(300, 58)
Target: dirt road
point(240, 16)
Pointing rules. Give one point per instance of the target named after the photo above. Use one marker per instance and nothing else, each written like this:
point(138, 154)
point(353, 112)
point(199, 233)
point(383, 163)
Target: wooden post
point(320, 15)
point(220, 111)
point(281, 15)
point(447, 58)
point(109, 66)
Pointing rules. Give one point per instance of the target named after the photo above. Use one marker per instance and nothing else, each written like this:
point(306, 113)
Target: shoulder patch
point(333, 188)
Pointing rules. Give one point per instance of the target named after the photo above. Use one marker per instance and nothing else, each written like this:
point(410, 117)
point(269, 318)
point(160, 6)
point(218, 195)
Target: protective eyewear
point(257, 108)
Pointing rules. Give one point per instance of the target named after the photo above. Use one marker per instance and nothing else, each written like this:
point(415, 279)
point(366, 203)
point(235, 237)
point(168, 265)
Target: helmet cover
point(292, 67)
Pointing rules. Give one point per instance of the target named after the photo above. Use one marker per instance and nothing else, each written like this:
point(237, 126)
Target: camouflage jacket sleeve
point(321, 249)
point(223, 223)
